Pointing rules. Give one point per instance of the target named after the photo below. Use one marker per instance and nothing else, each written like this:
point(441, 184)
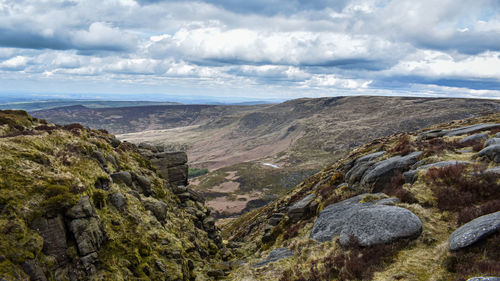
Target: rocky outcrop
point(380, 173)
point(87, 231)
point(53, 233)
point(474, 231)
point(302, 208)
point(492, 152)
point(492, 141)
point(357, 168)
point(458, 131)
point(367, 217)
point(474, 137)
point(172, 165)
point(275, 255)
point(411, 175)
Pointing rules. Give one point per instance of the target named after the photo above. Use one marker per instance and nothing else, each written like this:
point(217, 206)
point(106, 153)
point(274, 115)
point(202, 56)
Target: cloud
point(275, 47)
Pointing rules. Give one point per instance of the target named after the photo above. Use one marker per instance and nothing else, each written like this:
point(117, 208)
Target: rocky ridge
point(413, 206)
point(78, 204)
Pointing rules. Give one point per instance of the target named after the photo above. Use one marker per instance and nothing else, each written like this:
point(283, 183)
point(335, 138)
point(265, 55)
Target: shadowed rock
point(123, 177)
point(157, 207)
point(53, 233)
point(275, 255)
point(492, 152)
point(474, 231)
point(492, 141)
point(302, 207)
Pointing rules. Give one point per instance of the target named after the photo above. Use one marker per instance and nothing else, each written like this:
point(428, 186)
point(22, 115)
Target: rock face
point(54, 237)
point(372, 222)
point(302, 208)
point(474, 231)
point(172, 166)
point(380, 173)
point(87, 231)
point(360, 165)
point(275, 255)
point(492, 152)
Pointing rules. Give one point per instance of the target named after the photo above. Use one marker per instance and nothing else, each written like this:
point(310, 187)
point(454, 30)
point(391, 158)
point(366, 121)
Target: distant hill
point(48, 104)
point(298, 137)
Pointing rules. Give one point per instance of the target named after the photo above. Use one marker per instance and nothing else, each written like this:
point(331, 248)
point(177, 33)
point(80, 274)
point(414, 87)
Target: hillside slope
point(78, 204)
point(412, 206)
point(256, 153)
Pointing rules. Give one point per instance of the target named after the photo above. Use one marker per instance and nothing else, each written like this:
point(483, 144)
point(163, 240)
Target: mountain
point(411, 206)
point(257, 153)
point(78, 204)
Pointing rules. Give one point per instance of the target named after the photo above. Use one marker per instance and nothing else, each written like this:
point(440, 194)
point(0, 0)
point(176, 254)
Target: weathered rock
point(357, 216)
point(301, 208)
point(474, 231)
point(114, 142)
point(411, 175)
point(89, 262)
point(490, 278)
point(380, 224)
point(275, 219)
point(492, 152)
point(209, 223)
point(492, 141)
point(122, 177)
point(475, 137)
point(495, 170)
point(360, 166)
point(172, 166)
point(381, 172)
point(53, 233)
point(99, 157)
point(33, 270)
point(117, 200)
point(157, 207)
point(275, 255)
point(458, 131)
point(82, 209)
point(111, 159)
point(89, 235)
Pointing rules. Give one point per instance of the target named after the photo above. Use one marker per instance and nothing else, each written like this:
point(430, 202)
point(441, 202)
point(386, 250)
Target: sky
point(259, 49)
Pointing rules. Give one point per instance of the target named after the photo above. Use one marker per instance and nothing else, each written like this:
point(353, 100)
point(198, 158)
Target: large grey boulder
point(492, 152)
point(369, 218)
point(380, 225)
point(475, 137)
point(474, 231)
point(118, 200)
point(380, 174)
point(275, 255)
